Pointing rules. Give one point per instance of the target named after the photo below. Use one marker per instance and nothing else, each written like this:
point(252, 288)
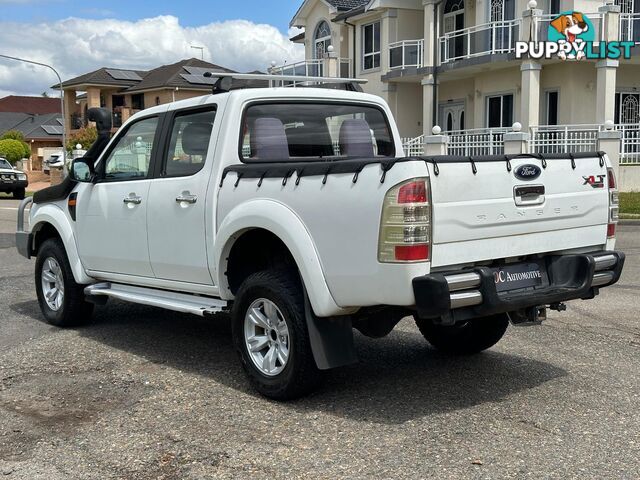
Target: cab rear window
point(281, 132)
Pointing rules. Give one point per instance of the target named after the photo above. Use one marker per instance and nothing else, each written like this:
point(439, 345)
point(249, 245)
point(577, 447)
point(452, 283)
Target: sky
point(77, 37)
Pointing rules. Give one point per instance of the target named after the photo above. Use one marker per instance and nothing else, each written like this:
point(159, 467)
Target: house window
point(627, 107)
point(137, 101)
point(500, 111)
point(371, 46)
point(551, 107)
point(322, 39)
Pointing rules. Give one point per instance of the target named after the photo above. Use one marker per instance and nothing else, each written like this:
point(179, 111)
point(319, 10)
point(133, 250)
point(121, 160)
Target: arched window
point(322, 39)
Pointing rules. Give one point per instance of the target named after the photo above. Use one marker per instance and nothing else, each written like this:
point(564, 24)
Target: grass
point(630, 203)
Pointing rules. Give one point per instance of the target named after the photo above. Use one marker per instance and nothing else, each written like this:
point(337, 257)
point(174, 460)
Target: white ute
point(295, 210)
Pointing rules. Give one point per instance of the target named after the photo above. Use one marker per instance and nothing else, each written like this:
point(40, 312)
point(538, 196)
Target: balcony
point(485, 39)
point(564, 138)
point(630, 27)
point(406, 54)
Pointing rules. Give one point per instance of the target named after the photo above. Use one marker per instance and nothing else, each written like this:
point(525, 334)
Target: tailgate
point(505, 209)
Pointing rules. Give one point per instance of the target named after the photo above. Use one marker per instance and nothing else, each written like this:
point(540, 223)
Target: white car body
point(331, 224)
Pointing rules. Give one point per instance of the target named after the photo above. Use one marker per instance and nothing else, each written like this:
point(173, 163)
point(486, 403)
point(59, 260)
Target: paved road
point(146, 394)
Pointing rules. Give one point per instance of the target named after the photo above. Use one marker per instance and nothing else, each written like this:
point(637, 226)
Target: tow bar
point(528, 317)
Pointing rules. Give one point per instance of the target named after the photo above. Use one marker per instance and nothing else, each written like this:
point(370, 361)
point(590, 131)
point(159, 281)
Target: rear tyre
point(270, 334)
point(465, 338)
point(61, 299)
point(19, 194)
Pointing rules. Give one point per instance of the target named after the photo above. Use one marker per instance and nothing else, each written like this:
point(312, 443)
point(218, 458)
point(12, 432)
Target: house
point(126, 92)
point(453, 63)
point(43, 132)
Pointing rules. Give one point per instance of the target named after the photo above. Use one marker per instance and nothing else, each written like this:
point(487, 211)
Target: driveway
point(145, 394)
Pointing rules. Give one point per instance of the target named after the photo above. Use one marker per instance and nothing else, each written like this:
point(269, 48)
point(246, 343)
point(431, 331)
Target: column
point(70, 108)
point(430, 43)
point(516, 142)
point(530, 94)
point(606, 89)
point(428, 102)
point(435, 143)
point(611, 22)
point(609, 142)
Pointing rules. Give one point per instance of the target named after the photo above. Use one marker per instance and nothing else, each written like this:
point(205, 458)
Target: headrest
point(195, 138)
point(269, 140)
point(355, 138)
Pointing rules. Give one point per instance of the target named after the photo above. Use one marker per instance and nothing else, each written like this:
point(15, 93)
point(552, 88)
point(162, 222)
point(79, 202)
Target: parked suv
point(295, 210)
point(12, 180)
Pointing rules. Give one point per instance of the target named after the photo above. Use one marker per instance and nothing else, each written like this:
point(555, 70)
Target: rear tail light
point(614, 203)
point(405, 229)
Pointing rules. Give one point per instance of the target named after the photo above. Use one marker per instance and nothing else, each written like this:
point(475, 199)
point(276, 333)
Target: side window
point(190, 138)
point(130, 158)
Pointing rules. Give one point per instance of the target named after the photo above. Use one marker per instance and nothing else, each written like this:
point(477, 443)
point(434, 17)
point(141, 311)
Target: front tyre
point(271, 336)
point(465, 338)
point(61, 299)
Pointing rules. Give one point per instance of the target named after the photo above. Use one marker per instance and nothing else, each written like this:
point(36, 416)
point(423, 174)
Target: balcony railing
point(486, 39)
point(630, 27)
point(406, 54)
point(542, 28)
point(313, 68)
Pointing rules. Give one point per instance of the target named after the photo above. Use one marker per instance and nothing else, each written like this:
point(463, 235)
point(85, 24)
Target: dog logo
point(572, 36)
point(572, 29)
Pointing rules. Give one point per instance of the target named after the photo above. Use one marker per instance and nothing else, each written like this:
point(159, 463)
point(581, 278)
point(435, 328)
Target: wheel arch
point(50, 221)
point(276, 220)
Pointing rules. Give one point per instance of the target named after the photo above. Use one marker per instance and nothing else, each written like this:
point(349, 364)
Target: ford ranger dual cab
point(296, 211)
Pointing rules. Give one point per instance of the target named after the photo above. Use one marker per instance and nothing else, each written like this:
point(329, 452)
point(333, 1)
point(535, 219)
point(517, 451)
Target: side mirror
point(81, 171)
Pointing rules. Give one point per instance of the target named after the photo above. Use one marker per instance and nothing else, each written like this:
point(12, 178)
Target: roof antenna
point(222, 85)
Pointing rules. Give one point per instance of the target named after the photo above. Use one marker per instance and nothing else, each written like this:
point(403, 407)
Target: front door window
point(627, 107)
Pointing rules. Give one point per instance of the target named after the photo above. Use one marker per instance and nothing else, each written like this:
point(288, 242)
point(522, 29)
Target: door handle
point(186, 197)
point(132, 199)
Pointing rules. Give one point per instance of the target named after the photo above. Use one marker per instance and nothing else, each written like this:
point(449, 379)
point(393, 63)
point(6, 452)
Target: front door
point(452, 116)
point(112, 214)
point(177, 212)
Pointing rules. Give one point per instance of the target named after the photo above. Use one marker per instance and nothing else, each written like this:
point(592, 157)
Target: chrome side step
point(178, 302)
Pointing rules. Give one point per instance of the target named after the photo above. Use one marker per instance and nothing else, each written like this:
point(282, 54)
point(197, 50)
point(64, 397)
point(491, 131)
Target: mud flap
point(331, 339)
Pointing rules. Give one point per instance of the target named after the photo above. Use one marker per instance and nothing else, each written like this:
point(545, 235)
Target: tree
point(13, 135)
point(45, 94)
point(14, 150)
point(85, 137)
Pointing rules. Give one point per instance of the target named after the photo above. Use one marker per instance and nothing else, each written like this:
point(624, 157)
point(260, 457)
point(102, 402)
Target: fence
point(563, 138)
point(629, 144)
point(479, 141)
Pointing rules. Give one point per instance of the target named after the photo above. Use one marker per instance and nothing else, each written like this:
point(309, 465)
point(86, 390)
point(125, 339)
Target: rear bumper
point(472, 293)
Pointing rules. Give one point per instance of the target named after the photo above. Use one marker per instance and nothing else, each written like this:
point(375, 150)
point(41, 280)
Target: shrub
point(13, 135)
point(14, 150)
point(85, 137)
